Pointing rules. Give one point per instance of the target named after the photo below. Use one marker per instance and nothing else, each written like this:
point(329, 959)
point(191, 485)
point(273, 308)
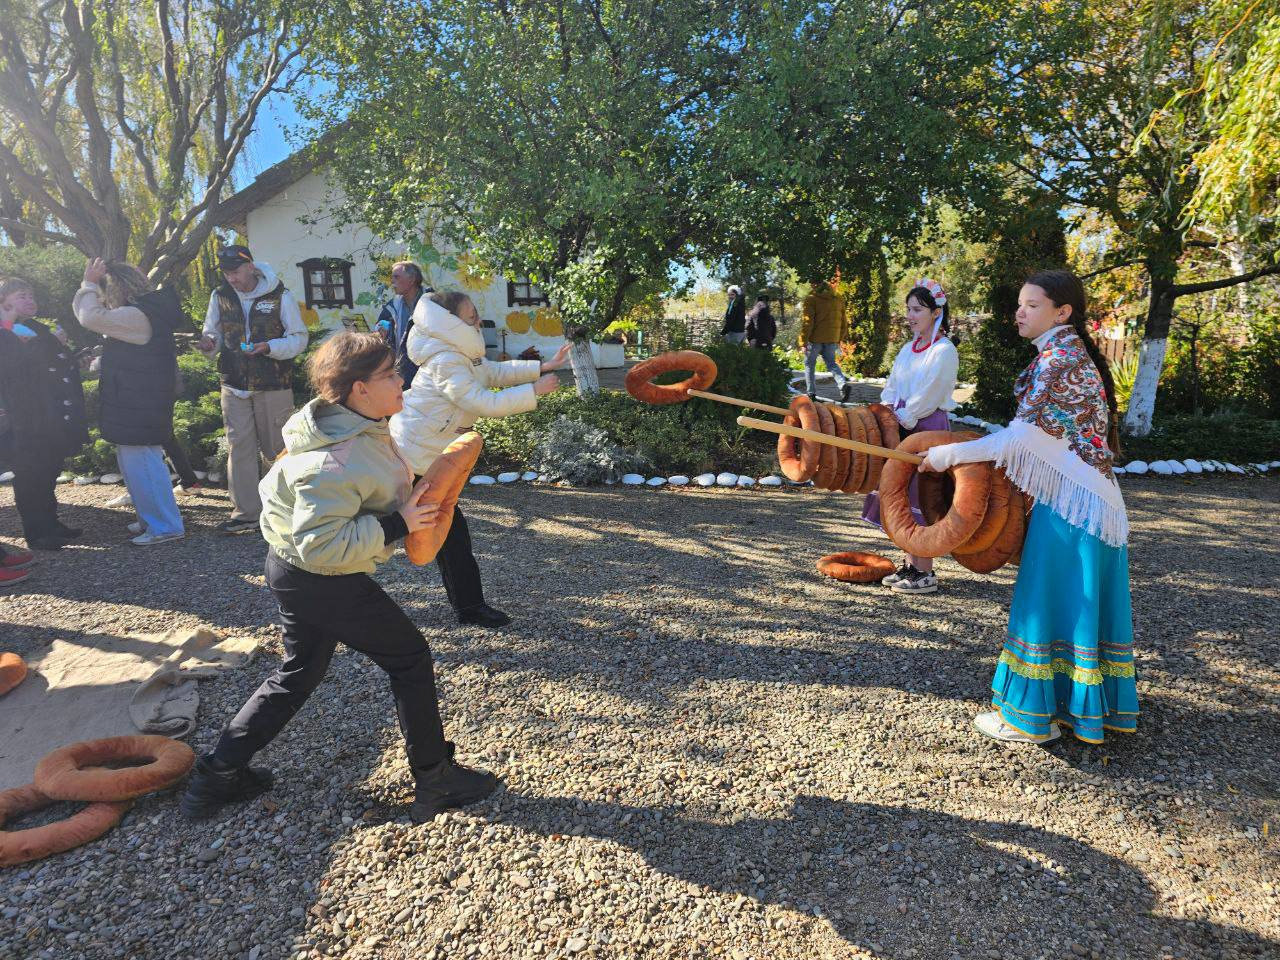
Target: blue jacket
point(394, 323)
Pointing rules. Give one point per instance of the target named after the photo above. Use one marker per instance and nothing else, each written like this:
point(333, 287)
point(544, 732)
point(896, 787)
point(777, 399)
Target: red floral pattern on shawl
point(1061, 392)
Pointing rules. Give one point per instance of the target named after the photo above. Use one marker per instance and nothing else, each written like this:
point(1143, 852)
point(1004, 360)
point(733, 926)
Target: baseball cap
point(232, 256)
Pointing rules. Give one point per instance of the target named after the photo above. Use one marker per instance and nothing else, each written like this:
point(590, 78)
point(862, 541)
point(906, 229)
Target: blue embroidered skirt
point(1069, 653)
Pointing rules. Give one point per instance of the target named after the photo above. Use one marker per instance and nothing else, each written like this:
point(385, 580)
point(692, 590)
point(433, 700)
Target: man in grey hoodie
point(256, 327)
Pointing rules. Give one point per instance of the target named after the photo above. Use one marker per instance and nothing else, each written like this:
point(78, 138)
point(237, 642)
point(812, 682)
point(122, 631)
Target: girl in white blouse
point(919, 392)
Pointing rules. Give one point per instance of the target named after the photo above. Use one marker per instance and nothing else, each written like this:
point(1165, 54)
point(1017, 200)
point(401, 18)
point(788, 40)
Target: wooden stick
point(802, 434)
point(749, 404)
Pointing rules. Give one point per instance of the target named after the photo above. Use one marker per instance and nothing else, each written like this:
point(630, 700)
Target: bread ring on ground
point(997, 516)
point(841, 424)
point(448, 473)
point(854, 567)
point(13, 670)
point(857, 459)
point(798, 459)
point(639, 378)
point(871, 478)
point(1007, 544)
point(76, 771)
point(20, 846)
point(827, 460)
point(968, 505)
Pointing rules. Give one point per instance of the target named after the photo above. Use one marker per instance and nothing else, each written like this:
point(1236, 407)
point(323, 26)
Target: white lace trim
point(1045, 467)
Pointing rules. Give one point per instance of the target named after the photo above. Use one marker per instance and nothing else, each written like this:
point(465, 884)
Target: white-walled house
point(339, 271)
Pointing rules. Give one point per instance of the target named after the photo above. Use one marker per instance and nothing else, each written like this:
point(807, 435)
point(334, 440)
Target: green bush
point(1233, 436)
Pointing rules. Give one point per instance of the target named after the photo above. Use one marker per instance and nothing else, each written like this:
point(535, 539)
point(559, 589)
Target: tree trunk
point(1155, 344)
point(584, 367)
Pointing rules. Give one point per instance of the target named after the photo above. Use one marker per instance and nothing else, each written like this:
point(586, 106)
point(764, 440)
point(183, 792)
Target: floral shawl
point(1056, 448)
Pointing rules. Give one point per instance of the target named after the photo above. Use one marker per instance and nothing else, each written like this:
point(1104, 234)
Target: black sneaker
point(901, 573)
point(448, 785)
point(483, 616)
point(63, 532)
point(845, 391)
point(45, 543)
point(209, 787)
point(813, 397)
point(238, 526)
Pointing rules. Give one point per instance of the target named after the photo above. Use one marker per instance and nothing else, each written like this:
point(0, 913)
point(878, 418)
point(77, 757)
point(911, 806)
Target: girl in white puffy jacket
point(452, 389)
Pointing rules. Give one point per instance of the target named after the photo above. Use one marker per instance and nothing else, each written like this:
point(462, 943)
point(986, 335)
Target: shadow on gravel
point(908, 877)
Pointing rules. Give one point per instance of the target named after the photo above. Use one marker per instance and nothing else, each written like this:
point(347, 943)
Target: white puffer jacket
point(452, 389)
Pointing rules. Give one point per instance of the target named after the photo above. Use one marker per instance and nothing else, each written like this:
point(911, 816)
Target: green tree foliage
point(55, 272)
point(1031, 237)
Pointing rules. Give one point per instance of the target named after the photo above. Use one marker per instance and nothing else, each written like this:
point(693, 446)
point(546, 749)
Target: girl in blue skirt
point(1068, 658)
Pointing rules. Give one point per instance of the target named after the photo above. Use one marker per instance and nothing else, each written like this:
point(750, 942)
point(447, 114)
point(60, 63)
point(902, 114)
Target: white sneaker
point(992, 725)
point(899, 574)
point(124, 500)
point(136, 527)
point(147, 539)
point(915, 582)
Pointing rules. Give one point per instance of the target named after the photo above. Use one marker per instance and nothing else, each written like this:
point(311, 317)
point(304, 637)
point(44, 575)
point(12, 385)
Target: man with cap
point(256, 327)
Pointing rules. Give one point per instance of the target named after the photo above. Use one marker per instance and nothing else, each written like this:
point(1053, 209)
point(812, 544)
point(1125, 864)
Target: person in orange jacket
point(824, 324)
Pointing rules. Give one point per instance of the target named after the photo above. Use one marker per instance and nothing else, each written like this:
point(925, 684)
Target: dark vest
point(138, 383)
point(236, 368)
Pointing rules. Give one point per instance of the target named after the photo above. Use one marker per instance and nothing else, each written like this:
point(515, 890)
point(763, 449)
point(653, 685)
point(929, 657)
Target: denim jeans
point(828, 353)
point(147, 478)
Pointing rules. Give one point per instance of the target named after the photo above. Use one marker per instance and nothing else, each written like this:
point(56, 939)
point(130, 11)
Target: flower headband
point(935, 290)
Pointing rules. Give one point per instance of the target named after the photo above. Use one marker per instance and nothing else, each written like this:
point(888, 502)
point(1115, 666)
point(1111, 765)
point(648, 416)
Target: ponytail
point(1064, 288)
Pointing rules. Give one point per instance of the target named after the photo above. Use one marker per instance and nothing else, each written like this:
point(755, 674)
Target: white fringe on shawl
point(1046, 468)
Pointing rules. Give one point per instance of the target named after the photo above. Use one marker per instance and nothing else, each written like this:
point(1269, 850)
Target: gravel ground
point(707, 749)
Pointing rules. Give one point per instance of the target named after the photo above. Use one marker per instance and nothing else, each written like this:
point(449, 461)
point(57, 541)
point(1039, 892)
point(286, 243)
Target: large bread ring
point(997, 517)
point(20, 846)
point(448, 475)
point(1006, 545)
point(13, 670)
point(857, 459)
point(871, 426)
point(854, 567)
point(841, 424)
point(639, 379)
point(798, 459)
point(890, 430)
point(75, 772)
point(968, 505)
point(936, 489)
point(827, 460)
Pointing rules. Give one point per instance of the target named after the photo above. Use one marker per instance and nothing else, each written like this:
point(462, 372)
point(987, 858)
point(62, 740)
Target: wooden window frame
point(521, 294)
point(335, 290)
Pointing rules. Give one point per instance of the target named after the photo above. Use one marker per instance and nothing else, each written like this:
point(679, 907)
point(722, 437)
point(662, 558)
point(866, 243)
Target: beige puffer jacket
point(452, 389)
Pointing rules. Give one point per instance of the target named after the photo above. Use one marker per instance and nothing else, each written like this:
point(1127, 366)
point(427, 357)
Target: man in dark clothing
point(761, 328)
point(396, 319)
point(735, 318)
point(42, 416)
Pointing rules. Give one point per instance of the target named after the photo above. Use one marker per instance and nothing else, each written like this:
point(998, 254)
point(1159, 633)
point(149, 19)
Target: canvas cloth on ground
point(103, 686)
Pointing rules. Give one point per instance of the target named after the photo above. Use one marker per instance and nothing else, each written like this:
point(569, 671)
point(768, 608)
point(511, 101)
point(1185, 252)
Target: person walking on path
point(824, 325)
point(762, 329)
point(256, 327)
point(1068, 654)
point(735, 317)
point(449, 394)
point(334, 507)
point(396, 317)
point(42, 415)
point(919, 392)
point(137, 385)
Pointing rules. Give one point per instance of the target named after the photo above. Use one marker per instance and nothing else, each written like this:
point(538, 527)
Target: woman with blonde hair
point(137, 385)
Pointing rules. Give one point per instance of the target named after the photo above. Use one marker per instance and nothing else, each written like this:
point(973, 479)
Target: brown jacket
point(824, 319)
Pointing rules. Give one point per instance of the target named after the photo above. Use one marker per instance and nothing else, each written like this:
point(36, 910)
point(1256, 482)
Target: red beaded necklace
point(915, 344)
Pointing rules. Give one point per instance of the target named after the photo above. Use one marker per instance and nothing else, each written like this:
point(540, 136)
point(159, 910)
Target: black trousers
point(181, 465)
point(34, 481)
point(318, 613)
point(458, 568)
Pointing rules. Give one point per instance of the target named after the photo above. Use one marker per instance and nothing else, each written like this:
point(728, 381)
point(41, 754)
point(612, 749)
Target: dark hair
point(925, 298)
point(451, 300)
point(344, 359)
point(1064, 288)
point(762, 298)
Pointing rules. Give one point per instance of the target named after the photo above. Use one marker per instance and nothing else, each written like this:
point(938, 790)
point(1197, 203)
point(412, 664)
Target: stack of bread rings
point(973, 511)
point(77, 772)
point(835, 468)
